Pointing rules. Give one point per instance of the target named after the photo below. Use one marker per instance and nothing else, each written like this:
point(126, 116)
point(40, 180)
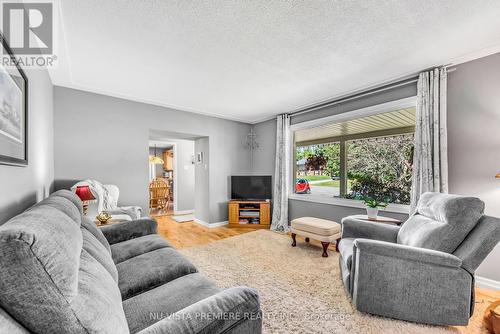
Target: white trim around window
point(409, 102)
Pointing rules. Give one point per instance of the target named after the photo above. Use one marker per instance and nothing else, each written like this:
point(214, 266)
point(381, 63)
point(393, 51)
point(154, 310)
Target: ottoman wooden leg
point(307, 239)
point(325, 248)
point(337, 245)
point(294, 242)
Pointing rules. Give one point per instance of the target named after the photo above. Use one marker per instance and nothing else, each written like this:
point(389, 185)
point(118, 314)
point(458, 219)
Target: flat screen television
point(251, 187)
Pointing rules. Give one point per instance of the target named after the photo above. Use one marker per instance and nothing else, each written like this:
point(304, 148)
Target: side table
point(379, 219)
point(112, 221)
point(115, 219)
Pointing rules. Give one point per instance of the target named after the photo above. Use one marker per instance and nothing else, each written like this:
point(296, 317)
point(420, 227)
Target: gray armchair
point(422, 271)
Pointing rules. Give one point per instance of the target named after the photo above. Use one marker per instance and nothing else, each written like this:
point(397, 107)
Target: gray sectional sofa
point(422, 271)
point(59, 273)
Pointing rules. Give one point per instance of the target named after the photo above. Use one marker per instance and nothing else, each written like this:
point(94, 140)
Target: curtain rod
point(356, 96)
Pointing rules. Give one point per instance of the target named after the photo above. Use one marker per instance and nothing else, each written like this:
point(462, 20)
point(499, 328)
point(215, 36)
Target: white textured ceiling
point(251, 59)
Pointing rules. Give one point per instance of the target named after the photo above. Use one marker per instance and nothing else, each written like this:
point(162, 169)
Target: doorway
point(172, 177)
point(162, 178)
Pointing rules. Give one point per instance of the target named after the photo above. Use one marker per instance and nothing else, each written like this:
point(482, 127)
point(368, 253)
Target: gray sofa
point(422, 271)
point(59, 273)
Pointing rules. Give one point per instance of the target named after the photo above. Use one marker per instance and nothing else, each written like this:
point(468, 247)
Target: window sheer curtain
point(281, 175)
point(430, 158)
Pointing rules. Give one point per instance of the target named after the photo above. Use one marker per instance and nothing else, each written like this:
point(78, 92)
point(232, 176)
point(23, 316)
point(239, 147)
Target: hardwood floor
point(161, 212)
point(484, 298)
point(190, 234)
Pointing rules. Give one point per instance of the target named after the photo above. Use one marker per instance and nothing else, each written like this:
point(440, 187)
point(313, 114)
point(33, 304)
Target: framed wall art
point(13, 111)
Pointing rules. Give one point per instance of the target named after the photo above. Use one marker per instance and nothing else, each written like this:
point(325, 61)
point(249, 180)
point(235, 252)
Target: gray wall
point(106, 138)
point(21, 187)
point(185, 174)
point(264, 156)
point(202, 181)
point(474, 139)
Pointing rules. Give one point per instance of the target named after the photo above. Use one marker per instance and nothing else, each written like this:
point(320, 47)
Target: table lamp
point(497, 176)
point(85, 195)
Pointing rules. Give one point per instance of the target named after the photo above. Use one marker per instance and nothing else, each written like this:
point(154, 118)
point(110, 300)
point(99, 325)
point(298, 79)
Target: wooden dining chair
point(158, 194)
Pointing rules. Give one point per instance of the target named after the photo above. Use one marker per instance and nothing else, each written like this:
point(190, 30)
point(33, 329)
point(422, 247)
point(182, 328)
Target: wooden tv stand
point(248, 211)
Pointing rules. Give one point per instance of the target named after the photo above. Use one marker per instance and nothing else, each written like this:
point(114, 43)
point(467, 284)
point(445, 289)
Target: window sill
point(395, 208)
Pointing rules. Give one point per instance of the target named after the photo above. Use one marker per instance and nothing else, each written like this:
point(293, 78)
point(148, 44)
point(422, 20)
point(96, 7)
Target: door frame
point(175, 178)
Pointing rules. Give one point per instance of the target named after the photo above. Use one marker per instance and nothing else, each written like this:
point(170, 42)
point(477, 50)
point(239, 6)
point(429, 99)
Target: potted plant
point(372, 206)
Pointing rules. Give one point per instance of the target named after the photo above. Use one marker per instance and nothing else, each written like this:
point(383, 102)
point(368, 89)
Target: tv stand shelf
point(248, 211)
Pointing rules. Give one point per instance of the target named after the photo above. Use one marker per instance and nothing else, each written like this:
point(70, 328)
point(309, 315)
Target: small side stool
point(326, 231)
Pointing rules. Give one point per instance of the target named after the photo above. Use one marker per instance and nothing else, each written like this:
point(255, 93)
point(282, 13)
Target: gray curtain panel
point(430, 159)
point(281, 175)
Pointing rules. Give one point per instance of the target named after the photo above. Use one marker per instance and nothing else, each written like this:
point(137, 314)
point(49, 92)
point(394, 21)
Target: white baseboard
point(183, 212)
point(201, 222)
point(204, 223)
point(218, 224)
point(487, 283)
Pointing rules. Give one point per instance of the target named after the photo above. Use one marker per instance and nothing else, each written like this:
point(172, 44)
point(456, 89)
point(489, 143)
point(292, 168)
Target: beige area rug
point(300, 291)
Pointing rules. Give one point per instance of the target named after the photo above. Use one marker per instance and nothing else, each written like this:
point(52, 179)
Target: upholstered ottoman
point(323, 230)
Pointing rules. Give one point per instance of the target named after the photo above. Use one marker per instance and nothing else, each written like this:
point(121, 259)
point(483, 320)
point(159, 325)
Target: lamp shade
point(497, 176)
point(84, 193)
point(155, 160)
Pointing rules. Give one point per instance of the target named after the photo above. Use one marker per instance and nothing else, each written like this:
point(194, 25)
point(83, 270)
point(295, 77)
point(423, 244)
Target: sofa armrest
point(409, 253)
point(129, 230)
point(235, 310)
point(357, 228)
point(134, 212)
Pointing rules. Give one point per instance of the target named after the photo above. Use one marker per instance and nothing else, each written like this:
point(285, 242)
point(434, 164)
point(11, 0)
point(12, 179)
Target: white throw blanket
point(107, 200)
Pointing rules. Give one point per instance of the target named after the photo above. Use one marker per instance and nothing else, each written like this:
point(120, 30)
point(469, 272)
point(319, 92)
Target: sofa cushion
point(99, 252)
point(128, 249)
point(62, 204)
point(34, 232)
point(48, 283)
point(346, 247)
point(147, 271)
point(92, 228)
point(441, 221)
point(10, 325)
point(98, 305)
point(129, 229)
point(69, 195)
point(149, 307)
